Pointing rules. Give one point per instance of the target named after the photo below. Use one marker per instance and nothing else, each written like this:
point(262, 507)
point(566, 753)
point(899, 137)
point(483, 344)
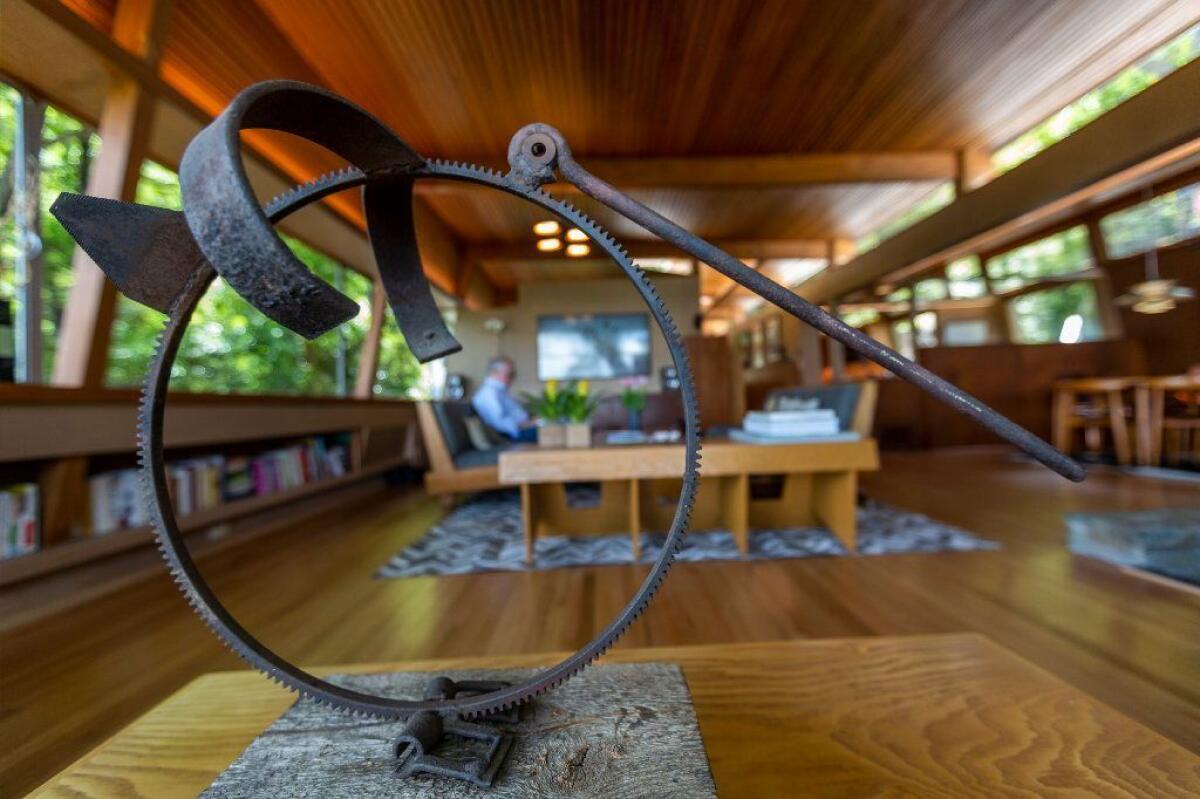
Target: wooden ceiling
point(689, 78)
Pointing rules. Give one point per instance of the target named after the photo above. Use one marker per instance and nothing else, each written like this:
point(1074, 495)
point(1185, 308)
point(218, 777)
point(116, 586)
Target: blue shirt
point(498, 409)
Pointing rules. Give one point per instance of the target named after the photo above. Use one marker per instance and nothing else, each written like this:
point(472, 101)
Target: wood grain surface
point(949, 715)
point(70, 678)
point(615, 730)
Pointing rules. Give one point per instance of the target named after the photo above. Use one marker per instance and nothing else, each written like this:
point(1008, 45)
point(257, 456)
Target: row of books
point(19, 524)
point(204, 483)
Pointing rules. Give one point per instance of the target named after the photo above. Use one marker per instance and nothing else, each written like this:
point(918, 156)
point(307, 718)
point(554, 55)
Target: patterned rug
point(484, 534)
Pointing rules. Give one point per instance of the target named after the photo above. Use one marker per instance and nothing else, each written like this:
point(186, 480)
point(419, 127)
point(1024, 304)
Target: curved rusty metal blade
point(389, 209)
point(147, 252)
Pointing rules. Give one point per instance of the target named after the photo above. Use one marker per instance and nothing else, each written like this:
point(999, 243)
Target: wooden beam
point(138, 27)
point(764, 249)
point(973, 169)
point(762, 171)
point(172, 108)
point(368, 359)
point(1115, 149)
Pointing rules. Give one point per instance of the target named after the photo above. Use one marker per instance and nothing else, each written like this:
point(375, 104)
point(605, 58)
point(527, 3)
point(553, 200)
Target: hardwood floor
point(71, 680)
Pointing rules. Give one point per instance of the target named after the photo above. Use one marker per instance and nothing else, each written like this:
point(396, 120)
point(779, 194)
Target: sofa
point(458, 464)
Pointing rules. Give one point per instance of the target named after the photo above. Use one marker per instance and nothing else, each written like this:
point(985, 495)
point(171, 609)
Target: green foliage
point(232, 348)
point(1038, 317)
point(1063, 253)
point(1180, 51)
point(1159, 222)
point(8, 129)
point(570, 402)
point(67, 151)
point(399, 373)
point(860, 317)
point(633, 394)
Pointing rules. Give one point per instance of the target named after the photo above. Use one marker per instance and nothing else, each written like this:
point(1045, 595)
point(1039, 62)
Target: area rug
point(1164, 541)
point(484, 534)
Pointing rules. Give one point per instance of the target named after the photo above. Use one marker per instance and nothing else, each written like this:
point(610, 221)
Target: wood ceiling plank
point(1116, 147)
point(694, 78)
point(723, 172)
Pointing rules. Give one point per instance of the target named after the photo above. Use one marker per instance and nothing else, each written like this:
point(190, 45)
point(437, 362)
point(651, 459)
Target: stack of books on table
point(19, 527)
point(790, 427)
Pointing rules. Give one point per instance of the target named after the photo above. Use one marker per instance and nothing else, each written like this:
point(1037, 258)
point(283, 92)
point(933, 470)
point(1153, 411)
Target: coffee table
point(819, 486)
point(934, 715)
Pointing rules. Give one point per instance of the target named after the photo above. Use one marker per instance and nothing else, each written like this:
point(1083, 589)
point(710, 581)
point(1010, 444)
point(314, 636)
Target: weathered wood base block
point(621, 730)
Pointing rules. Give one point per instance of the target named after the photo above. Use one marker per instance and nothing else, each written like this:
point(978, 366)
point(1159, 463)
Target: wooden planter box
point(557, 435)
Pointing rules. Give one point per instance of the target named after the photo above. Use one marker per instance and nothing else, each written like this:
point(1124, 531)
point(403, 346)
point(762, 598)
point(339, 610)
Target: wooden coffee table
point(819, 486)
point(937, 715)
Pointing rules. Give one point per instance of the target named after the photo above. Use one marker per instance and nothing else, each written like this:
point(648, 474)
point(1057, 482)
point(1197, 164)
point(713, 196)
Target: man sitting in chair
point(496, 406)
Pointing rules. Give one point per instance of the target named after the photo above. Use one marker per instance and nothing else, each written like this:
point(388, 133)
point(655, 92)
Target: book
point(20, 521)
point(744, 437)
point(787, 417)
point(791, 424)
point(203, 483)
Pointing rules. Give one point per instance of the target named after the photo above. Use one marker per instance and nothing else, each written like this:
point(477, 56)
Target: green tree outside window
point(68, 148)
point(232, 348)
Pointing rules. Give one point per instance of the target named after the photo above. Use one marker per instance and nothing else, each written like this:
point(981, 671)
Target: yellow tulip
point(551, 389)
point(583, 388)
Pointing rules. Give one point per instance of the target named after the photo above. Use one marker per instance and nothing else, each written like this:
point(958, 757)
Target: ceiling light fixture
point(578, 250)
point(1154, 295)
point(575, 234)
point(551, 245)
point(547, 227)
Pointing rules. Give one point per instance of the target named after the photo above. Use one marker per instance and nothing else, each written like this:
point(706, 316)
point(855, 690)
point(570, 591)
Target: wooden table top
point(937, 715)
point(649, 461)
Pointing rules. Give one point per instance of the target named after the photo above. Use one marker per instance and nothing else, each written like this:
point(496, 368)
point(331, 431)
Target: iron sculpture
point(166, 260)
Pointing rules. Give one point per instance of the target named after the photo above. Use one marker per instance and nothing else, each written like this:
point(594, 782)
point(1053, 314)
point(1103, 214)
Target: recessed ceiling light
point(547, 227)
point(551, 245)
point(575, 234)
point(578, 250)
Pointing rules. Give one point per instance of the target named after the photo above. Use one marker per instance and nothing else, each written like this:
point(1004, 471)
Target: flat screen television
point(598, 346)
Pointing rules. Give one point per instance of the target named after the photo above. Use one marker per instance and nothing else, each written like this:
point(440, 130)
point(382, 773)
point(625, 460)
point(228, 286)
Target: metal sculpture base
point(431, 744)
point(613, 730)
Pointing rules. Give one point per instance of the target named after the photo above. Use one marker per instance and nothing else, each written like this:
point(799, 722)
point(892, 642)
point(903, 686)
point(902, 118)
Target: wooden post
point(368, 361)
point(139, 26)
point(809, 356)
point(1110, 316)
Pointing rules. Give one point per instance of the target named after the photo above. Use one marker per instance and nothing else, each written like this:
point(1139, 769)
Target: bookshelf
point(58, 438)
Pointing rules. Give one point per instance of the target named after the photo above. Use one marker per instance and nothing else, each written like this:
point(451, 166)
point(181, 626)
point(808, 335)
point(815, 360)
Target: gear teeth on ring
point(307, 686)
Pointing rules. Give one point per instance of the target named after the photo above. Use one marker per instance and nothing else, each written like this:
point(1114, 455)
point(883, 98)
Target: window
point(65, 153)
point(926, 325)
point(230, 347)
point(1066, 314)
point(793, 271)
point(1063, 253)
point(1177, 53)
point(942, 196)
point(860, 317)
point(1158, 222)
point(902, 336)
point(964, 278)
point(965, 332)
point(930, 290)
point(399, 373)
